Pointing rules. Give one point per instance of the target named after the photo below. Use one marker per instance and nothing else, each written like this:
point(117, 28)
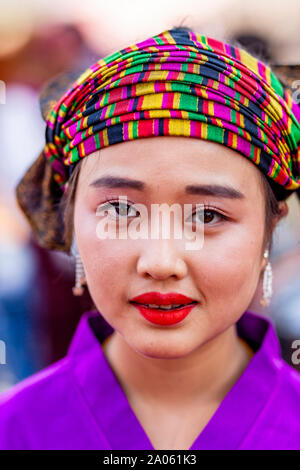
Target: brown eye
point(207, 216)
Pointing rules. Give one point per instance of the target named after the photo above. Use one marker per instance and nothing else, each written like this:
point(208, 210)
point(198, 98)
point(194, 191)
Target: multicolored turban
point(176, 83)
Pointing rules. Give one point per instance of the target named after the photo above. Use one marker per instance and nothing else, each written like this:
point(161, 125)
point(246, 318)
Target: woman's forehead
point(174, 159)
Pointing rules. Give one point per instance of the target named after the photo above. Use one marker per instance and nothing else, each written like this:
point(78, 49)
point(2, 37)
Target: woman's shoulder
point(270, 366)
point(285, 390)
point(277, 424)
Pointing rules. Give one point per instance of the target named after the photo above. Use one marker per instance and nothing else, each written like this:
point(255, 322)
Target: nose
point(160, 260)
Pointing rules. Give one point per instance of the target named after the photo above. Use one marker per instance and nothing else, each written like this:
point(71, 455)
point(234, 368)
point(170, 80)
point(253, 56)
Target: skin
point(174, 377)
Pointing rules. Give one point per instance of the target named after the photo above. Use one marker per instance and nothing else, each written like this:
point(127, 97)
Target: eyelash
point(205, 208)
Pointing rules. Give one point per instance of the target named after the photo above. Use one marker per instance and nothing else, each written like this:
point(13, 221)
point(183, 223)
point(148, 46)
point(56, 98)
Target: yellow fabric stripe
point(176, 101)
point(145, 88)
point(275, 167)
point(179, 127)
point(130, 131)
point(234, 140)
point(105, 137)
point(249, 61)
point(169, 38)
point(153, 101)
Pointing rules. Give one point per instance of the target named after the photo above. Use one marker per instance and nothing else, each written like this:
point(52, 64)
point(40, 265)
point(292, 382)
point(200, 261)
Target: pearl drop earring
point(80, 279)
point(267, 282)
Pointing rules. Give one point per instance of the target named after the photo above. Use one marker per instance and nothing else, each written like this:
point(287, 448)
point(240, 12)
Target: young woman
point(170, 357)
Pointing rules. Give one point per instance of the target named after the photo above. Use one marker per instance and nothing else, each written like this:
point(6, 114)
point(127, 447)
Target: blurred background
point(40, 39)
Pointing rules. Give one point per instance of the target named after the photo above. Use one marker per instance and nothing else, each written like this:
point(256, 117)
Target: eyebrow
point(198, 189)
point(118, 182)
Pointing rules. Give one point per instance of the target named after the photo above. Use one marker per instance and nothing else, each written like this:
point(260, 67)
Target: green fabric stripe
point(74, 155)
point(97, 141)
point(189, 102)
point(135, 129)
point(159, 41)
point(112, 110)
point(275, 83)
point(276, 171)
point(215, 133)
point(252, 152)
point(233, 115)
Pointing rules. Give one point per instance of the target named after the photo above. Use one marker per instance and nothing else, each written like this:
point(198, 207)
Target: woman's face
point(221, 276)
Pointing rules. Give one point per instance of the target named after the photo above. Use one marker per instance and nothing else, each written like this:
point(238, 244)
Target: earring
point(267, 282)
point(80, 279)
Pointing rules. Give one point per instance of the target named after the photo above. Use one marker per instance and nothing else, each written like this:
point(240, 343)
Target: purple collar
point(230, 423)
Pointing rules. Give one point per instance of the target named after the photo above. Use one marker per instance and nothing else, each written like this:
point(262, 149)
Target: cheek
point(229, 266)
point(107, 264)
point(106, 261)
point(99, 257)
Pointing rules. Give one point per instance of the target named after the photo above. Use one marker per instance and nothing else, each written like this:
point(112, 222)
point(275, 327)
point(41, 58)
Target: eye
point(117, 210)
point(207, 214)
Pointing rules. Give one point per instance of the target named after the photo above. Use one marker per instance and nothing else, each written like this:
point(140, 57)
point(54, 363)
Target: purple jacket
point(78, 403)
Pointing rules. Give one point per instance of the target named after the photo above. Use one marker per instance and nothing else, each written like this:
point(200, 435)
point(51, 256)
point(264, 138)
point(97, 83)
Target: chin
point(161, 350)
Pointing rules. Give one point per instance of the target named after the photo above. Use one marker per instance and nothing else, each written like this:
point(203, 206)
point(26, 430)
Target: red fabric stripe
point(145, 128)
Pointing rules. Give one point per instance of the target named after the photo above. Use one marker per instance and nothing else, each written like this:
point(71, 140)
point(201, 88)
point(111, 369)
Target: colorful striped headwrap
point(178, 83)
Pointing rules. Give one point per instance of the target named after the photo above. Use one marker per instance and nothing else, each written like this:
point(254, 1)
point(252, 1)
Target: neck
point(206, 374)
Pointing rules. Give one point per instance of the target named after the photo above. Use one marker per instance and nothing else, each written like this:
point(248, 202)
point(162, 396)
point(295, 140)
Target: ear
point(283, 212)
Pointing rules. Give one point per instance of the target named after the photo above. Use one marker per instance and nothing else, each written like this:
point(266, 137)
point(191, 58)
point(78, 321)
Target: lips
point(172, 298)
point(153, 307)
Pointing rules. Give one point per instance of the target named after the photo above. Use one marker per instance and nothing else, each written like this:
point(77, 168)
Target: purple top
point(78, 403)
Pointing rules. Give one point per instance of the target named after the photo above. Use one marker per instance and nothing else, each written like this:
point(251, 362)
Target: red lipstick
point(163, 309)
